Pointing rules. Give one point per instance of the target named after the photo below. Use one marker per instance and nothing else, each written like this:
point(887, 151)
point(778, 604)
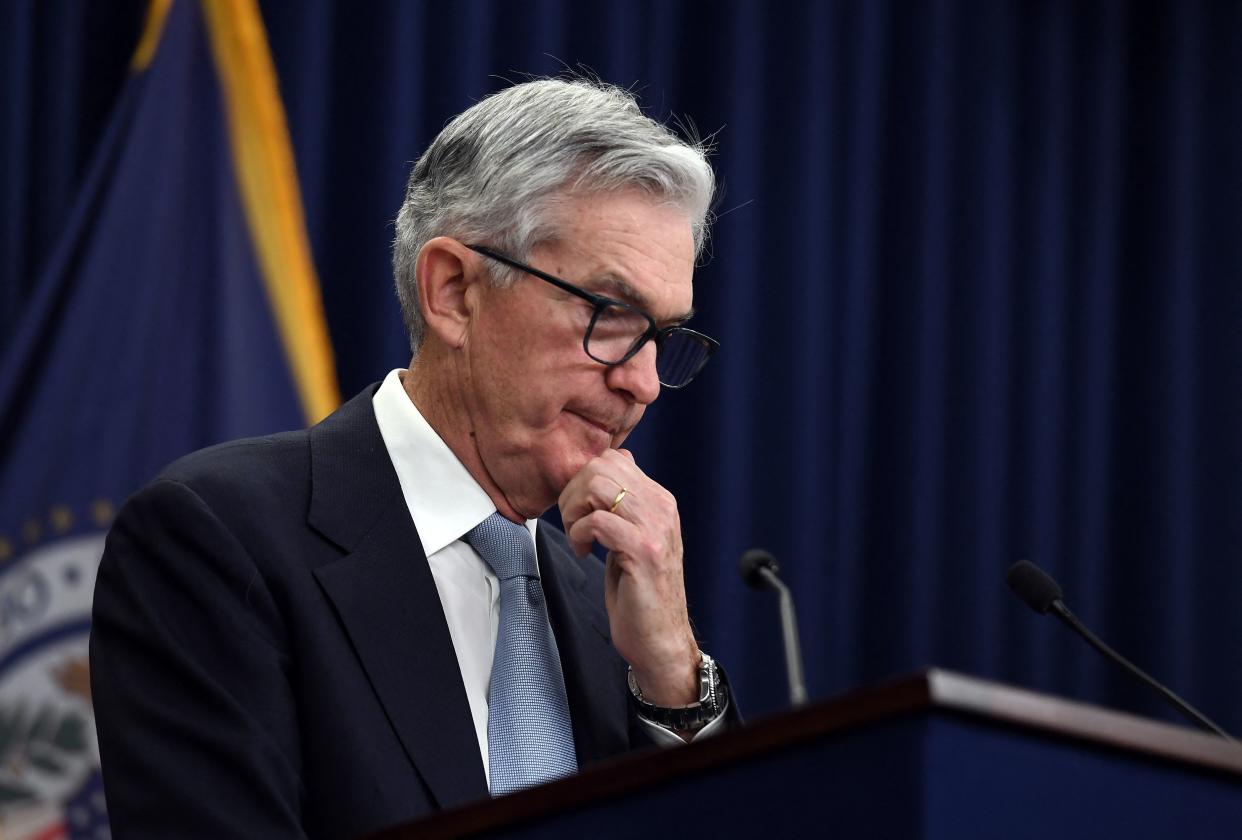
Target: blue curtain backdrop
point(977, 276)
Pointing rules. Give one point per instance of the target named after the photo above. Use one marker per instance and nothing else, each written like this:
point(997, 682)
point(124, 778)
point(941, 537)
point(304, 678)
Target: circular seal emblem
point(49, 760)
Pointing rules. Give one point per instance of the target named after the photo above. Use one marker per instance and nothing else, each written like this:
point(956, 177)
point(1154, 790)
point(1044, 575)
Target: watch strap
point(713, 699)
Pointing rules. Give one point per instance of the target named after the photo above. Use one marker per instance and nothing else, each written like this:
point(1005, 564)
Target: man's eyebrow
point(610, 285)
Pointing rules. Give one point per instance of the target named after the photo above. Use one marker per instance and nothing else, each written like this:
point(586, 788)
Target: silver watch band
point(713, 697)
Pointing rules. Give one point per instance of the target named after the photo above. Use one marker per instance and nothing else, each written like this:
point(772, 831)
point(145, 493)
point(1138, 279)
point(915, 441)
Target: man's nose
point(637, 375)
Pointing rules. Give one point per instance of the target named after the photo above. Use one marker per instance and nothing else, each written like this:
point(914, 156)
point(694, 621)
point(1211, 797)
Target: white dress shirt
point(446, 503)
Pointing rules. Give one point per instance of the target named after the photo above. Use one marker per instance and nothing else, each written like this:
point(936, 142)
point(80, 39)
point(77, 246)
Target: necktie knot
point(505, 546)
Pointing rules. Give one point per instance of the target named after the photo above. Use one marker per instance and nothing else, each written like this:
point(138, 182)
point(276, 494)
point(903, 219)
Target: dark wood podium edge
point(927, 691)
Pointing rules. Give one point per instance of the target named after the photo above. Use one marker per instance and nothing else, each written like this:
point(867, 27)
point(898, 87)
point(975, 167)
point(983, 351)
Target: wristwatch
point(713, 698)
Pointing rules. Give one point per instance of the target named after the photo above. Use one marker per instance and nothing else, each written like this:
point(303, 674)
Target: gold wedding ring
point(616, 503)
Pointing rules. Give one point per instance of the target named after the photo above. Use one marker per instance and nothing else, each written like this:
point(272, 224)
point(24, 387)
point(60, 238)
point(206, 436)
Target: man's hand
point(644, 586)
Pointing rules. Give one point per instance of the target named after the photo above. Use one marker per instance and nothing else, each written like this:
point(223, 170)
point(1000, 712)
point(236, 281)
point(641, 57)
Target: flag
point(180, 309)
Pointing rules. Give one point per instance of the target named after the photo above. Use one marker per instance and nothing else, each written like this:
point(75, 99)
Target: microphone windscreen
point(1033, 585)
point(751, 562)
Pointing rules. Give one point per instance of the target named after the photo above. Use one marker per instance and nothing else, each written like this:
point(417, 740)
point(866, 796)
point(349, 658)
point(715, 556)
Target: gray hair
point(495, 173)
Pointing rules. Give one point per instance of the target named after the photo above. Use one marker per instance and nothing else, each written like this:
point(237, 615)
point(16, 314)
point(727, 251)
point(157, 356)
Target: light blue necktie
point(529, 736)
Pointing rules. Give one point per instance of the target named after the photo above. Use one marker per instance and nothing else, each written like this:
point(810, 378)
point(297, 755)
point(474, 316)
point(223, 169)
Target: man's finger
point(598, 491)
point(618, 535)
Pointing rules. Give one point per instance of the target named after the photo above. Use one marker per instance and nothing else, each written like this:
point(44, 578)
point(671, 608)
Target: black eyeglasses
point(618, 330)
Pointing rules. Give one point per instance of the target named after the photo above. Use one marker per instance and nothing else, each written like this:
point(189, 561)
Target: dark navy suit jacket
point(269, 656)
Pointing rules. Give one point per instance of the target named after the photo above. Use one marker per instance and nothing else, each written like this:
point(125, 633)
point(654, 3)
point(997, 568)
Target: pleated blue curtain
point(977, 275)
point(61, 69)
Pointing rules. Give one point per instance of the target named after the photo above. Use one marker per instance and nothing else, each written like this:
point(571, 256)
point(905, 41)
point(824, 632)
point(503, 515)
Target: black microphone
point(1042, 594)
point(758, 568)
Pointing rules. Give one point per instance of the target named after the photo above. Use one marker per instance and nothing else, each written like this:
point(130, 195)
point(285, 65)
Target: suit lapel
point(594, 672)
point(386, 599)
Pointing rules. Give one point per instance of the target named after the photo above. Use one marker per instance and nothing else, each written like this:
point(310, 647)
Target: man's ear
point(443, 272)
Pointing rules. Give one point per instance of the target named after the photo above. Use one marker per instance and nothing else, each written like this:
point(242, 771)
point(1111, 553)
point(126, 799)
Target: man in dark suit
point(324, 632)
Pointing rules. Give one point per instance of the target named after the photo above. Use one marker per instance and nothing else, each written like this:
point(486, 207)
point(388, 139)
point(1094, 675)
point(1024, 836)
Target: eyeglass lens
point(680, 356)
point(616, 329)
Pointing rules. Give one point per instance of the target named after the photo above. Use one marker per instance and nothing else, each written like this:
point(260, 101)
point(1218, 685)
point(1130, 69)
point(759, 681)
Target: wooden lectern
point(936, 755)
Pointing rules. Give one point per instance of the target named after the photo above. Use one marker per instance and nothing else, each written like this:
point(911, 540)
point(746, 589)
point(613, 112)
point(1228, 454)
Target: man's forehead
point(627, 246)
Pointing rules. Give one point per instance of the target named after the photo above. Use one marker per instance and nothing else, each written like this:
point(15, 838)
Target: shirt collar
point(444, 499)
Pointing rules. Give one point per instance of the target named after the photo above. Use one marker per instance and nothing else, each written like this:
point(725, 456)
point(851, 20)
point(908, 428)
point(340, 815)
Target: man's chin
point(576, 465)
point(567, 468)
point(590, 454)
point(575, 451)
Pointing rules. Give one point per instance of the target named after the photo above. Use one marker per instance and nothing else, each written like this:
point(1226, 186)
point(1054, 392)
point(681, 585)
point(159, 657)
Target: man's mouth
point(606, 428)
